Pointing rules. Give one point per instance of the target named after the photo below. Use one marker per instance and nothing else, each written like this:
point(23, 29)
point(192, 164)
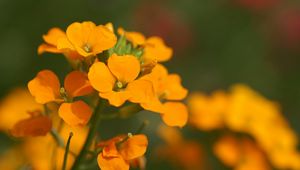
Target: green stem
point(57, 138)
point(141, 128)
point(95, 121)
point(67, 151)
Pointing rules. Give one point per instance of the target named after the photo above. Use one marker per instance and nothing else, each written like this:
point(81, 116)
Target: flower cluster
point(108, 72)
point(245, 111)
point(120, 70)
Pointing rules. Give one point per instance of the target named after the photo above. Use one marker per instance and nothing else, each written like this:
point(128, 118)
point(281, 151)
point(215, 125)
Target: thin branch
point(67, 151)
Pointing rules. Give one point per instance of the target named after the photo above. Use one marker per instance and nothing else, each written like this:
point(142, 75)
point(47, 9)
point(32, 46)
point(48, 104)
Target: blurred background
point(216, 43)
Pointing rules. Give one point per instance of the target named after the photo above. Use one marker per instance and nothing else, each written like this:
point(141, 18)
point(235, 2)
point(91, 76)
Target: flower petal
point(110, 150)
point(141, 91)
point(102, 39)
point(78, 33)
point(53, 35)
point(116, 98)
point(48, 48)
point(65, 44)
point(125, 68)
point(134, 147)
point(158, 76)
point(154, 105)
point(155, 47)
point(228, 150)
point(174, 89)
point(115, 163)
point(77, 84)
point(175, 114)
point(110, 26)
point(101, 78)
point(34, 126)
point(75, 114)
point(45, 87)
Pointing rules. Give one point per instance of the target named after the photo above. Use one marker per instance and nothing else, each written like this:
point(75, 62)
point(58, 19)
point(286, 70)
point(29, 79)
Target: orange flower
point(45, 87)
point(117, 153)
point(87, 38)
point(167, 87)
point(36, 125)
point(117, 81)
point(51, 42)
point(51, 39)
point(155, 49)
point(75, 113)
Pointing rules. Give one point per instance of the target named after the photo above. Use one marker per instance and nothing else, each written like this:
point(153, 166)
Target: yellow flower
point(87, 38)
point(118, 80)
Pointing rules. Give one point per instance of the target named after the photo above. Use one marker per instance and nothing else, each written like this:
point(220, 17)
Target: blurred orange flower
point(42, 153)
point(182, 153)
point(244, 110)
point(14, 107)
point(208, 112)
point(36, 125)
point(240, 154)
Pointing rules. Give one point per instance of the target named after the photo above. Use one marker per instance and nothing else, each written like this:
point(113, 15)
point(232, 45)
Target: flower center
point(119, 84)
point(87, 48)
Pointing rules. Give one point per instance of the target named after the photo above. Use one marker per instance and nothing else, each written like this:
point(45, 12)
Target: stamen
point(87, 48)
point(129, 135)
point(119, 84)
